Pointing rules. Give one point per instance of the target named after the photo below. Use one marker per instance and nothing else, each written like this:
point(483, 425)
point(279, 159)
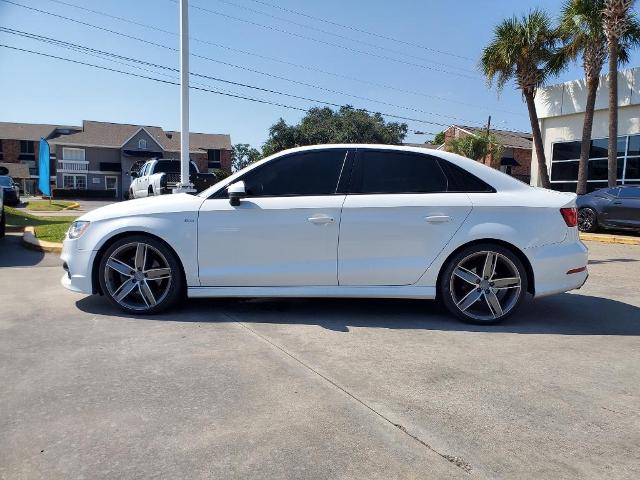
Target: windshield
point(6, 181)
point(172, 166)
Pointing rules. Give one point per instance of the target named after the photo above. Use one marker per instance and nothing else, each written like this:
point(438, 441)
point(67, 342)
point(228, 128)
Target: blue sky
point(450, 34)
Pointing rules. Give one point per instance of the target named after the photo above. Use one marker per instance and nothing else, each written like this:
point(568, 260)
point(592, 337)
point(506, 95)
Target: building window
point(213, 160)
point(142, 144)
point(73, 154)
point(110, 166)
point(78, 182)
point(111, 183)
point(1, 154)
point(27, 150)
point(565, 159)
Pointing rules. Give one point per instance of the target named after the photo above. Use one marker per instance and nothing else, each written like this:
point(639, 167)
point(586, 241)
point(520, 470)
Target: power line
point(325, 42)
point(343, 37)
point(246, 52)
point(102, 53)
point(211, 90)
point(360, 30)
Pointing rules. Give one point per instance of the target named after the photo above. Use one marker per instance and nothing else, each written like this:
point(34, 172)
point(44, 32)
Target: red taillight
point(570, 216)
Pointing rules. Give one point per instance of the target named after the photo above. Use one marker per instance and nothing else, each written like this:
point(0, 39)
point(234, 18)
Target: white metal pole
point(185, 185)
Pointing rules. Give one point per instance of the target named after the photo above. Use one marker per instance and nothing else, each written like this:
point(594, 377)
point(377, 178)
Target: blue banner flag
point(43, 168)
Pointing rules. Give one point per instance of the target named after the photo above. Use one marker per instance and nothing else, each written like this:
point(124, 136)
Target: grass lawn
point(43, 205)
point(51, 229)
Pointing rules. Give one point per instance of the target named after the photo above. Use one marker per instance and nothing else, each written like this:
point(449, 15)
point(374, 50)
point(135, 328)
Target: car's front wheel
point(587, 220)
point(140, 274)
point(483, 283)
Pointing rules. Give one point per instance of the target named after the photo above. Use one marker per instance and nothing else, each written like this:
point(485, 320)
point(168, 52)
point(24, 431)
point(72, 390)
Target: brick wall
point(11, 151)
point(225, 160)
point(523, 157)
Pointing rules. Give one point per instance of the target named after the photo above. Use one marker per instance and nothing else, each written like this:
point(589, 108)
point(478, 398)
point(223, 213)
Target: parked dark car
point(615, 208)
point(11, 190)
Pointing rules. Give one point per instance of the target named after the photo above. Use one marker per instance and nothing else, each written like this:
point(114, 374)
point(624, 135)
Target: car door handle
point(617, 203)
point(438, 218)
point(320, 219)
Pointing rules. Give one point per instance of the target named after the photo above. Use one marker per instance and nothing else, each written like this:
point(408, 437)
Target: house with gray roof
point(99, 156)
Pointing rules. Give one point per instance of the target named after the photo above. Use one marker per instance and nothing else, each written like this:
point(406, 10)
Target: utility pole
point(184, 185)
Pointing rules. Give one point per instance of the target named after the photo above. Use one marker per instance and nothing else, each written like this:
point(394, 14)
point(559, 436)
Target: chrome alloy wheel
point(485, 285)
point(137, 276)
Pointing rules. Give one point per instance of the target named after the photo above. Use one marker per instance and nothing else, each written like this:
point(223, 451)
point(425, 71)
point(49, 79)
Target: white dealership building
point(561, 111)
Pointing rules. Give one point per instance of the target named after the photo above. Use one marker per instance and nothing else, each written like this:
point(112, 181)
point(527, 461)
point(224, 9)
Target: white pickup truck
point(160, 176)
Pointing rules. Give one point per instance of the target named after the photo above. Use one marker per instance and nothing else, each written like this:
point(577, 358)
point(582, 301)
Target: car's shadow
point(564, 314)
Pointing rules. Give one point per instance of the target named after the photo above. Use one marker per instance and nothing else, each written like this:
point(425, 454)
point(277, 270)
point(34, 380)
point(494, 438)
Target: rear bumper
point(551, 264)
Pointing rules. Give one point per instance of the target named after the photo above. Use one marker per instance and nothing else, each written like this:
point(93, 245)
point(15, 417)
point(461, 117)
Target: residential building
point(561, 111)
point(101, 155)
point(19, 148)
point(516, 158)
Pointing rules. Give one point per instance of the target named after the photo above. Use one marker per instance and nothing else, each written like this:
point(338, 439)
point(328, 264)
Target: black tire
point(166, 291)
point(587, 220)
point(454, 291)
point(2, 223)
point(150, 193)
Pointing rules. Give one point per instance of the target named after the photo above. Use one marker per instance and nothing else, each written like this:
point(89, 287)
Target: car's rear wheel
point(587, 220)
point(140, 274)
point(483, 284)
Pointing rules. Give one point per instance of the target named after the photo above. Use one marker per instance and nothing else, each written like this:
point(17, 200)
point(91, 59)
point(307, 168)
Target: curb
point(604, 238)
point(30, 240)
point(73, 206)
point(13, 229)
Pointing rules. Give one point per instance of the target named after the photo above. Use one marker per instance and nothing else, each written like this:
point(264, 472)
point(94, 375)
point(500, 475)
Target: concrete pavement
point(318, 388)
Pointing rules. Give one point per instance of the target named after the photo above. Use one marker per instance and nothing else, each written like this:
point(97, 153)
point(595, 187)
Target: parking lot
point(318, 388)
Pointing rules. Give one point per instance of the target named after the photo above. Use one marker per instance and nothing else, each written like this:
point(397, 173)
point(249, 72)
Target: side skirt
point(315, 292)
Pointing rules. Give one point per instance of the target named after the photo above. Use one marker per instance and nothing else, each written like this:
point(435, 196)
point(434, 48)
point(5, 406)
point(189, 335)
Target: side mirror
point(236, 191)
point(134, 174)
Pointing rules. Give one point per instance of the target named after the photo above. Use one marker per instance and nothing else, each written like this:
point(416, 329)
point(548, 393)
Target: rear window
point(171, 166)
point(462, 181)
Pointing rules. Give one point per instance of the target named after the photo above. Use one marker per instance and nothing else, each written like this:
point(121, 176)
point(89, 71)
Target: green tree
point(618, 21)
point(438, 139)
point(477, 147)
point(242, 155)
point(324, 125)
point(521, 50)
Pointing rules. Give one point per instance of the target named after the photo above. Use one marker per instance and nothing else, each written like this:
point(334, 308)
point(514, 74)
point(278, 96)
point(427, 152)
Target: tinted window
point(460, 180)
point(380, 171)
point(307, 173)
point(564, 171)
point(633, 192)
point(633, 168)
point(172, 166)
point(566, 151)
point(5, 182)
point(600, 147)
point(634, 145)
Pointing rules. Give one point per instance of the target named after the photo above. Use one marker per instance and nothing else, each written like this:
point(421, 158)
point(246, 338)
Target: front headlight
point(77, 228)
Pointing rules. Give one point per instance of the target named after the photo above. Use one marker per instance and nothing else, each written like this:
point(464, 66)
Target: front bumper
point(551, 264)
point(78, 265)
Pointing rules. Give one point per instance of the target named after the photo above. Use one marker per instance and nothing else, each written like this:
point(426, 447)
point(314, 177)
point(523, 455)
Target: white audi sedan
point(337, 221)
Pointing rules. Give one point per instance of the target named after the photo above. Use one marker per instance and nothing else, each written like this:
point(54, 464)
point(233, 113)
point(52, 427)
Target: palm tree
point(478, 147)
point(616, 22)
point(582, 32)
point(521, 49)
